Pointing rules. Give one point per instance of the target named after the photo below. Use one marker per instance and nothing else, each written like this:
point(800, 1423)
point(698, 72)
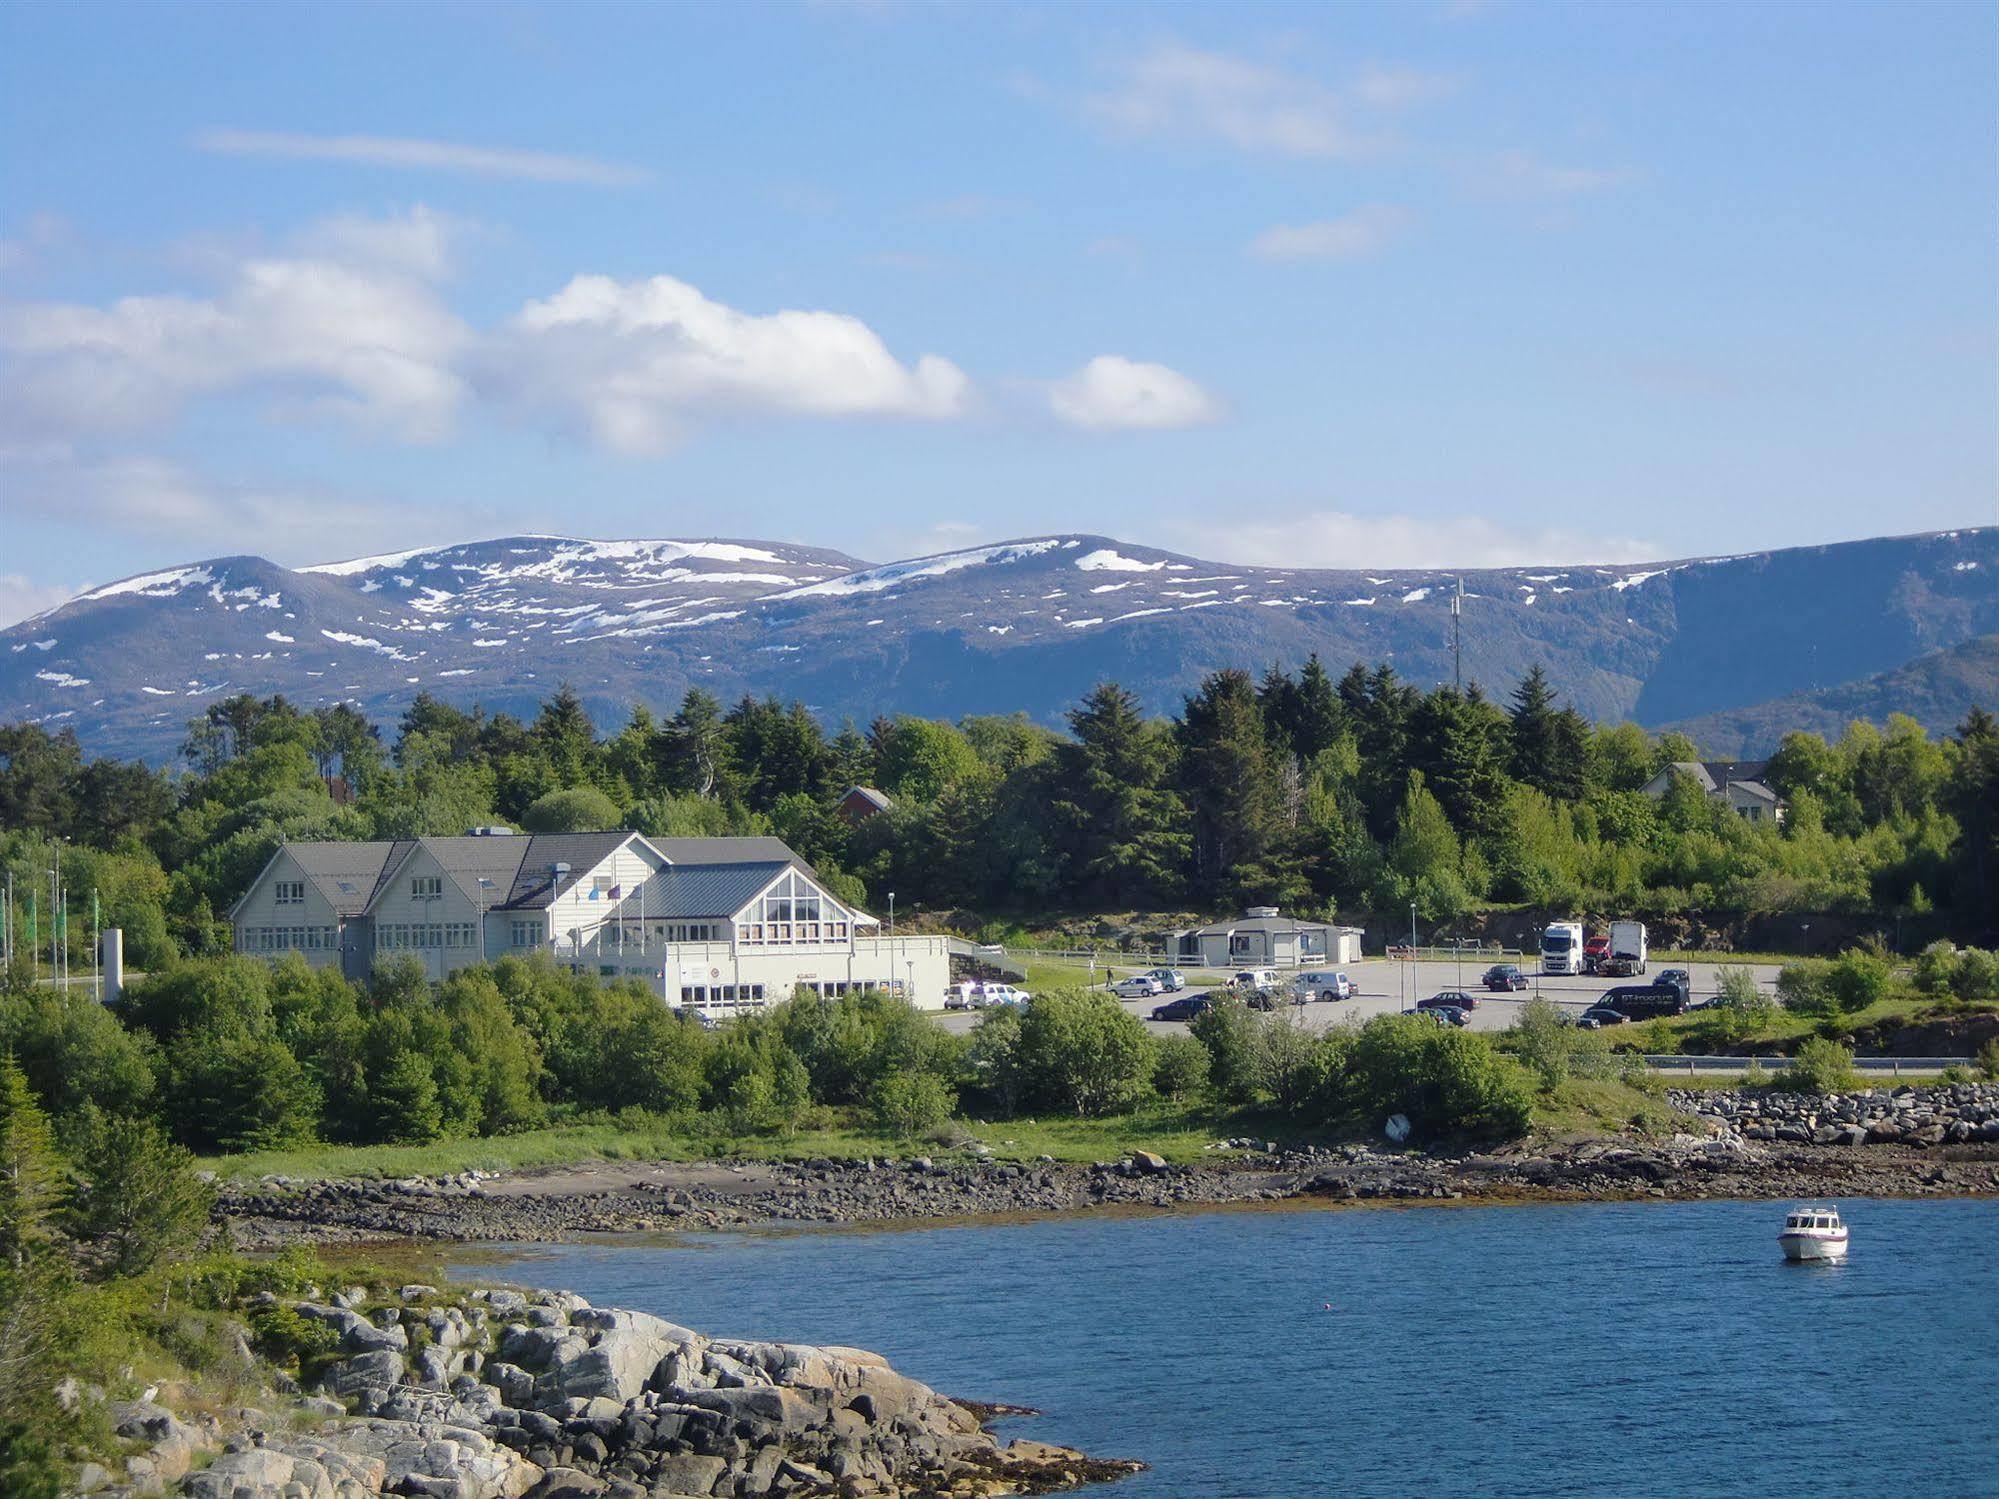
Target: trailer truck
point(1627, 956)
point(1562, 947)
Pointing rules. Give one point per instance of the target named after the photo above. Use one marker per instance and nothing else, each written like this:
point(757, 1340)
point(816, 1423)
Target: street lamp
point(891, 914)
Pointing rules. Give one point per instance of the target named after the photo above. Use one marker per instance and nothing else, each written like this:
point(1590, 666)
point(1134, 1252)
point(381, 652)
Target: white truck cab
point(1562, 947)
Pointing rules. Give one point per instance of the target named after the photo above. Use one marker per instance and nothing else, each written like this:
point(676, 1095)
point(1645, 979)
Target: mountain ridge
point(1026, 624)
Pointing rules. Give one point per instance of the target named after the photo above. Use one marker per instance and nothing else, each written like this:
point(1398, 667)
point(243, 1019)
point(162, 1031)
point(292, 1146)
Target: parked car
point(1646, 1001)
point(976, 996)
point(1678, 978)
point(1441, 1014)
point(1255, 978)
point(1504, 976)
point(1138, 986)
point(1259, 999)
point(1455, 999)
point(1595, 950)
point(1186, 1007)
point(1326, 984)
point(1597, 1016)
point(1171, 980)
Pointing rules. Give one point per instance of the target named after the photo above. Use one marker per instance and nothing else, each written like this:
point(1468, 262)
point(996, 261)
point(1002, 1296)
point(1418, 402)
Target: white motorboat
point(1814, 1232)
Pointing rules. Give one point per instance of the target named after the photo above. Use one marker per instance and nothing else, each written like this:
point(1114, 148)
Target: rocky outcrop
point(1960, 1114)
point(504, 1394)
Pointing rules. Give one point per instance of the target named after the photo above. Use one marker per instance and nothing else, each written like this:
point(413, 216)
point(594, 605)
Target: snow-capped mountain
point(1023, 625)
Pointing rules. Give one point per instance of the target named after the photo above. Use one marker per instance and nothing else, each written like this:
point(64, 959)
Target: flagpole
point(96, 947)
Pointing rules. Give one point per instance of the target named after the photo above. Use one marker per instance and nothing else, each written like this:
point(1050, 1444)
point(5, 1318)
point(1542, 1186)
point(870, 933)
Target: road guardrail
point(1892, 1066)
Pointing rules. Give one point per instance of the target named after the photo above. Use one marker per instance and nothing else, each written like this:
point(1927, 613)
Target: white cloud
point(21, 597)
point(632, 360)
point(1523, 175)
point(1351, 236)
point(421, 155)
point(1400, 88)
point(421, 242)
point(1175, 90)
point(143, 495)
point(363, 334)
point(1112, 393)
point(1340, 539)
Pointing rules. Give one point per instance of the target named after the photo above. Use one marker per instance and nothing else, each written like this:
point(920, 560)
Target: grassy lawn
point(1178, 1134)
point(1596, 1105)
point(1668, 1035)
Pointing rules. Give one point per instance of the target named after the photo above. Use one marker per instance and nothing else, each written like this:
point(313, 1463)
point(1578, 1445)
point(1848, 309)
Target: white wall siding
point(266, 929)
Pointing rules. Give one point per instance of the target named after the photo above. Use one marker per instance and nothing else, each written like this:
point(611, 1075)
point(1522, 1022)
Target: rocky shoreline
point(508, 1394)
point(1913, 1142)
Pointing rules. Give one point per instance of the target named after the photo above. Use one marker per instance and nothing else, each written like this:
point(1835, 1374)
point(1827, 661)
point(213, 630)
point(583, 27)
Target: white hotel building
point(721, 924)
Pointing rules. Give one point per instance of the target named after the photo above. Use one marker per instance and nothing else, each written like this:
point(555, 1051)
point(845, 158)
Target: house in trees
point(1261, 938)
point(862, 803)
point(1737, 784)
point(721, 924)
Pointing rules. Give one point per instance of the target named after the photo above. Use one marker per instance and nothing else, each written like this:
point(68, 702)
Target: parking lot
point(1386, 988)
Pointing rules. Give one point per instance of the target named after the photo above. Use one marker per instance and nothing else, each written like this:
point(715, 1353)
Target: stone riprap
point(507, 1394)
point(1716, 1154)
point(1957, 1114)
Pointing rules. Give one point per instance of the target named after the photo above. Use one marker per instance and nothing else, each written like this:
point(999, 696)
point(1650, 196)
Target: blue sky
point(1367, 285)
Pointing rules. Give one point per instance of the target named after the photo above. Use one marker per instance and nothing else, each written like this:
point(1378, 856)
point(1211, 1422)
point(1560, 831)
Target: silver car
point(1138, 986)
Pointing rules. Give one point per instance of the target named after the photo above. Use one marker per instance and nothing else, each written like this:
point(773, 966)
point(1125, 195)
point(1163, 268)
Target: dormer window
point(289, 893)
point(426, 887)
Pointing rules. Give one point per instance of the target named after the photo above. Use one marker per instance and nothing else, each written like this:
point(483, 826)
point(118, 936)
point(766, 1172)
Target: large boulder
point(624, 1352)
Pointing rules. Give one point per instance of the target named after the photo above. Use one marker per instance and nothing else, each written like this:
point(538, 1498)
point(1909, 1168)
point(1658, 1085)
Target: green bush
point(1228, 1033)
point(1977, 975)
point(1988, 1060)
point(1820, 1066)
point(907, 1104)
point(1448, 1081)
point(1081, 1052)
point(1936, 968)
point(1179, 1068)
point(1804, 987)
point(281, 1335)
point(1856, 979)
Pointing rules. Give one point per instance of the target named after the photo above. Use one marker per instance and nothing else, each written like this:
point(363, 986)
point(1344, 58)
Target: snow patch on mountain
point(160, 585)
point(876, 579)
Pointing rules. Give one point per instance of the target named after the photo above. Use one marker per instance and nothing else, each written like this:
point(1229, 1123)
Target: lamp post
point(891, 915)
point(1412, 952)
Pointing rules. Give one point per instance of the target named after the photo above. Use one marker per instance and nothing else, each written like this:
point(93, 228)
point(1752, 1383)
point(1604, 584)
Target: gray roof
point(757, 850)
point(532, 883)
point(519, 868)
point(1272, 924)
point(345, 873)
point(685, 891)
point(869, 794)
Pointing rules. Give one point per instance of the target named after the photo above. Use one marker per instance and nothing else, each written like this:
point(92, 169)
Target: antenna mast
point(1457, 637)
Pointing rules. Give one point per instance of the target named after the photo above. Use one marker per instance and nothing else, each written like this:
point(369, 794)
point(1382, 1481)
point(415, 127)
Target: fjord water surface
point(1598, 1349)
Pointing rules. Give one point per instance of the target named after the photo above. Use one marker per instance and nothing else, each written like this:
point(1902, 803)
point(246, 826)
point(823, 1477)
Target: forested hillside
point(1349, 795)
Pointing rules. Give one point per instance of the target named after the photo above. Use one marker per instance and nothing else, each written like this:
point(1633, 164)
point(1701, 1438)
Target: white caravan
point(1562, 947)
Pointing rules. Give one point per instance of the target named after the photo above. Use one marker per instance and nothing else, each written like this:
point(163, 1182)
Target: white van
point(1255, 978)
point(1325, 984)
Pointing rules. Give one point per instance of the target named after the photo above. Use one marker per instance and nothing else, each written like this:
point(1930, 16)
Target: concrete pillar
point(111, 953)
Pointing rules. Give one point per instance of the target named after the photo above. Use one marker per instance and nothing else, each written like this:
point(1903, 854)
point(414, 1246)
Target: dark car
point(1449, 999)
point(1504, 977)
point(1186, 1007)
point(1677, 978)
point(1441, 1014)
point(1645, 1001)
point(1597, 1016)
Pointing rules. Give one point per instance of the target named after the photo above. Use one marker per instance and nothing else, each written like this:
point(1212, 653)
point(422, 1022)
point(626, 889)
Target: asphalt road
point(1385, 988)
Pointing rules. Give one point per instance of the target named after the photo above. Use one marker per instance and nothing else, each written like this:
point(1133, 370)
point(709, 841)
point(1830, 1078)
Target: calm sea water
point(1643, 1349)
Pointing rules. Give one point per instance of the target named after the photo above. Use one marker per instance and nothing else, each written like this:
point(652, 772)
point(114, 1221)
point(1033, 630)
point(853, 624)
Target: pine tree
point(31, 1174)
point(140, 1201)
point(1455, 740)
point(1230, 779)
point(1124, 826)
point(1320, 718)
point(697, 757)
point(1548, 747)
point(566, 737)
